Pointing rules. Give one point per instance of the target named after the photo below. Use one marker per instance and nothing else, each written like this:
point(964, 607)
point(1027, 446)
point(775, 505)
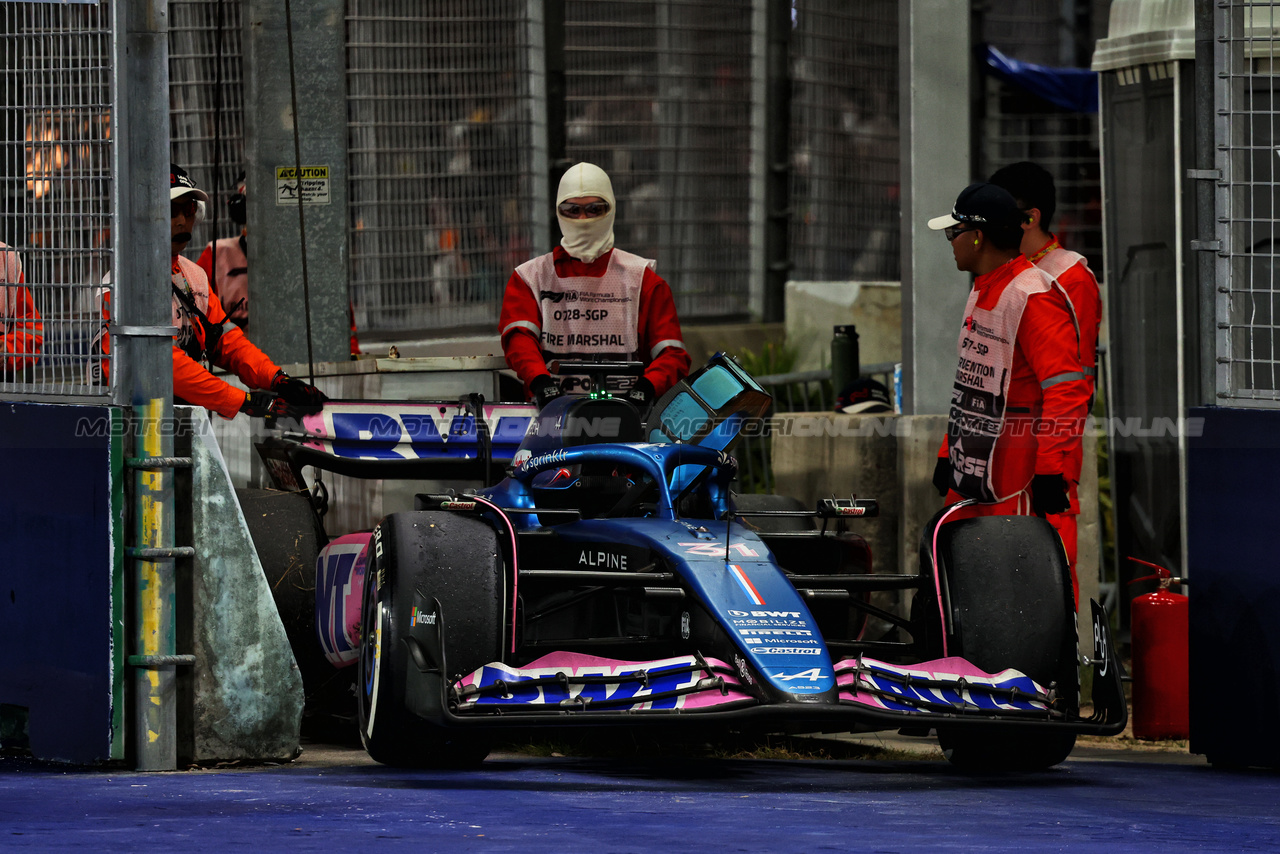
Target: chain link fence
point(447, 150)
point(844, 131)
point(443, 177)
point(1015, 126)
point(56, 180)
point(1066, 144)
point(1247, 102)
point(447, 157)
point(206, 105)
point(658, 94)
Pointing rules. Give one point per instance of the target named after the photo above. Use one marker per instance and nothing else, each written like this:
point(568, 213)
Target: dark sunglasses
point(951, 232)
point(591, 209)
point(183, 207)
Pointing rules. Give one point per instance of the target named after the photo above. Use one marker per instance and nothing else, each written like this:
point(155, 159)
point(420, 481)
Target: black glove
point(304, 396)
point(1049, 495)
point(544, 389)
point(265, 404)
point(642, 394)
point(942, 476)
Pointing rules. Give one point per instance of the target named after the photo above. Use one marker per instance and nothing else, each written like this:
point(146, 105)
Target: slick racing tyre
point(1009, 590)
point(418, 559)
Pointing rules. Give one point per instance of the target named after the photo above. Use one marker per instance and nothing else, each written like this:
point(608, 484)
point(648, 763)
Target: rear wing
point(421, 439)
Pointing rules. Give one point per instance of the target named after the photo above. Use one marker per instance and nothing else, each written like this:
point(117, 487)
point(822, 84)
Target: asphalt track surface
point(335, 799)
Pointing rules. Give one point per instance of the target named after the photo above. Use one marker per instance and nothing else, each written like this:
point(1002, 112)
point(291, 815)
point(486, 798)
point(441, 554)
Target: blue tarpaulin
point(1074, 89)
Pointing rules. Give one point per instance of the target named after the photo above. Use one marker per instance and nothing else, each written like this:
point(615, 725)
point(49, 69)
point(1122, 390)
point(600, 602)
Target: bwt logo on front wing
point(793, 615)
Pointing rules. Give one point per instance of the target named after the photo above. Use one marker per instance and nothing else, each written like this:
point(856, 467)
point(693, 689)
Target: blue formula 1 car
point(614, 578)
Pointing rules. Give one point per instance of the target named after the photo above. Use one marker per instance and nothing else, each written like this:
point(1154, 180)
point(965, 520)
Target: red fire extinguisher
point(1158, 623)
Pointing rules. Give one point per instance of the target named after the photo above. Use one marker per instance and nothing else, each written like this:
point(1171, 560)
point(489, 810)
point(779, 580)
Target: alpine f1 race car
point(614, 578)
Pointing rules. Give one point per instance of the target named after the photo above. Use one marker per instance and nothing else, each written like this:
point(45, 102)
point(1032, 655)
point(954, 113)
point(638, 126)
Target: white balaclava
point(586, 239)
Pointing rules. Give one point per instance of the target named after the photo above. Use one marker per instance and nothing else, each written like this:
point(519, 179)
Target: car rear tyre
point(287, 535)
point(432, 557)
point(1009, 590)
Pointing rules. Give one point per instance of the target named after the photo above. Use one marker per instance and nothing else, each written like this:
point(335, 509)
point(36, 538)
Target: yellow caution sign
point(313, 186)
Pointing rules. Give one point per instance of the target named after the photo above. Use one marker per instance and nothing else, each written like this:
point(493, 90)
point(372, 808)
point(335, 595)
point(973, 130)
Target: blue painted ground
point(519, 804)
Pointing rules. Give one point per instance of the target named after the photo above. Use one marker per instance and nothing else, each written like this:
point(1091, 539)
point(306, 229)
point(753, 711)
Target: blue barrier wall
point(1233, 498)
point(61, 608)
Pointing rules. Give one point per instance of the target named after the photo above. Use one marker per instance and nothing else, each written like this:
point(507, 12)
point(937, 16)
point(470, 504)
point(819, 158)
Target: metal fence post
point(777, 159)
point(143, 376)
point(553, 35)
point(1201, 384)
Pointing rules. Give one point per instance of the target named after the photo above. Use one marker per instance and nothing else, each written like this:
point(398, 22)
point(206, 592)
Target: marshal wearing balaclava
point(587, 300)
point(586, 239)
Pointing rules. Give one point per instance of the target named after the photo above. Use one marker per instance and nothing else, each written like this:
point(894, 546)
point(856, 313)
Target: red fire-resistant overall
point(21, 331)
point(1073, 274)
point(1019, 414)
point(193, 350)
point(229, 259)
point(615, 308)
point(231, 285)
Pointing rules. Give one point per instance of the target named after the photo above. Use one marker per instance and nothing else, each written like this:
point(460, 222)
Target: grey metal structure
point(659, 96)
point(1248, 204)
point(1148, 146)
point(142, 339)
point(298, 220)
point(936, 165)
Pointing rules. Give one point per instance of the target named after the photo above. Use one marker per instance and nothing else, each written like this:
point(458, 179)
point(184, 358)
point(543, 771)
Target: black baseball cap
point(864, 395)
point(981, 204)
